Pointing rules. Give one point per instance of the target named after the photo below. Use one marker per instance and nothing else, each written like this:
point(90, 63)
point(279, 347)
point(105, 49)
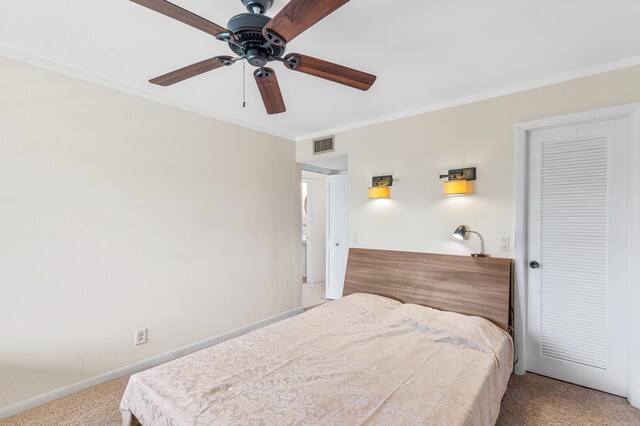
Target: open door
point(337, 247)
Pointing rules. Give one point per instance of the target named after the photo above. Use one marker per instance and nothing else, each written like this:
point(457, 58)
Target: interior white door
point(337, 245)
point(577, 236)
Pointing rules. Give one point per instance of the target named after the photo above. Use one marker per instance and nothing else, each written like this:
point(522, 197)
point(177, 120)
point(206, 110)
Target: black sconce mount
point(381, 181)
point(461, 174)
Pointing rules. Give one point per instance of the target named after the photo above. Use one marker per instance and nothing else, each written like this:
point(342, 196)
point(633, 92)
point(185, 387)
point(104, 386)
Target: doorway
point(321, 270)
point(313, 238)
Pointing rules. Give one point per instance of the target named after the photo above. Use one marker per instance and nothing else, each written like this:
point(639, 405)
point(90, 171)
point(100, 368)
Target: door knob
point(534, 265)
point(337, 244)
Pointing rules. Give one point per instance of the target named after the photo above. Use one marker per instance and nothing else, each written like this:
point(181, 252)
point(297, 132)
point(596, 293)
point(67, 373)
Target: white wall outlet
point(355, 238)
point(141, 336)
point(504, 243)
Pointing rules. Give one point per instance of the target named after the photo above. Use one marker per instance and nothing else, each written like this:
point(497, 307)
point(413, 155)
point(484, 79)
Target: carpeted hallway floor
point(313, 295)
point(530, 400)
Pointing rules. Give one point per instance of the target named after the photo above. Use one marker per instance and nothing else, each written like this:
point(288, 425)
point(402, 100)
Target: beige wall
point(417, 149)
point(118, 213)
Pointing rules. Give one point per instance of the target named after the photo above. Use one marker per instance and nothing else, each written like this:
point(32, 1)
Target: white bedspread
point(362, 359)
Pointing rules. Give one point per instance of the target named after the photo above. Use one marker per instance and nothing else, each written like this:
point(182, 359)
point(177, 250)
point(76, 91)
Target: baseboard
point(142, 365)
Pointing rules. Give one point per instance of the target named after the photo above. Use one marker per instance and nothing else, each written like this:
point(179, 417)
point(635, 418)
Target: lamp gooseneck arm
point(481, 240)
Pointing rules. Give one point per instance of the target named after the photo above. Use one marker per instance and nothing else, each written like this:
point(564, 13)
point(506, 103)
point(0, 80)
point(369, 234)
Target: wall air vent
point(322, 145)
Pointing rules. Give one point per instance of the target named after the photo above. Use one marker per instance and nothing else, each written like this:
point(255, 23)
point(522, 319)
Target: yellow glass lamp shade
point(458, 187)
point(379, 192)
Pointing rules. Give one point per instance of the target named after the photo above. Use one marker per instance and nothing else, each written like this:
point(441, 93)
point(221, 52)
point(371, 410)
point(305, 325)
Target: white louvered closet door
point(578, 235)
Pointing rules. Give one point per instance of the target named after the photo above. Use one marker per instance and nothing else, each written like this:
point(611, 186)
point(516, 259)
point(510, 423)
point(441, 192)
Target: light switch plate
point(504, 243)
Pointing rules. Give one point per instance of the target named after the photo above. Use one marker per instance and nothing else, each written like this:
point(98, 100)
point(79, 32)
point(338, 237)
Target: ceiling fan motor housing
point(247, 28)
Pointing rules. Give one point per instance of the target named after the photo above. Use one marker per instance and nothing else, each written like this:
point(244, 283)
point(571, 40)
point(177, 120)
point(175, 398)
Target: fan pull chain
point(244, 85)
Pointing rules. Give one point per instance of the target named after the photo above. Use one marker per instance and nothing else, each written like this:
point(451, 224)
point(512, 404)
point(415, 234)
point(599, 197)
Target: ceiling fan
point(259, 39)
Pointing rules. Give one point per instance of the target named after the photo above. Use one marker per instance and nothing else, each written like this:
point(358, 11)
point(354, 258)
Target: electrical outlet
point(141, 336)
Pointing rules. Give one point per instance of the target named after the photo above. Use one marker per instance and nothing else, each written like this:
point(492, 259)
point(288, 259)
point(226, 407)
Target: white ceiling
point(424, 52)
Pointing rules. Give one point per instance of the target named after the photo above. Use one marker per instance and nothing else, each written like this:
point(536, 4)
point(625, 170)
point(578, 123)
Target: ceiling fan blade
point(298, 15)
point(329, 71)
point(182, 15)
point(192, 70)
point(270, 90)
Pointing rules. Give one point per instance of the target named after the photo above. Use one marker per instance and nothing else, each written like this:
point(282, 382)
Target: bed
point(375, 356)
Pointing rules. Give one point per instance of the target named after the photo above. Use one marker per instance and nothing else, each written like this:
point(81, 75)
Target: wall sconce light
point(462, 232)
point(380, 187)
point(459, 181)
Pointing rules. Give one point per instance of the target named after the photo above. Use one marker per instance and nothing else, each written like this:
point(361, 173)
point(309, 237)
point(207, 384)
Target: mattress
point(362, 359)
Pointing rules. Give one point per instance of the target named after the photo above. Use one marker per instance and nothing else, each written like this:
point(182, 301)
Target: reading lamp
point(461, 233)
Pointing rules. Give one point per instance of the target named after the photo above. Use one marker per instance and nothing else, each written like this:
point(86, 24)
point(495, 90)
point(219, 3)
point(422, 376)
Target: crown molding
point(548, 81)
point(146, 94)
point(128, 89)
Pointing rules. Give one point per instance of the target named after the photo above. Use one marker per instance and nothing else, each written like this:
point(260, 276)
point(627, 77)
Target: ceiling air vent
point(322, 145)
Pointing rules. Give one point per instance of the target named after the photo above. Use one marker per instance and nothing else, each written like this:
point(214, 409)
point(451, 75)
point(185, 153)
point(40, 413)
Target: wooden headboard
point(468, 285)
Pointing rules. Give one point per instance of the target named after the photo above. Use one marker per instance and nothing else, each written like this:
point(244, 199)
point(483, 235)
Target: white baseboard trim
point(142, 365)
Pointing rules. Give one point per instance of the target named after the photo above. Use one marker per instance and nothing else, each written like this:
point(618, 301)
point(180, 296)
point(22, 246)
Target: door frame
point(309, 250)
point(522, 130)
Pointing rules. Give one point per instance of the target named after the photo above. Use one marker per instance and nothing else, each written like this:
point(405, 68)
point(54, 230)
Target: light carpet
point(530, 400)
point(313, 295)
point(537, 400)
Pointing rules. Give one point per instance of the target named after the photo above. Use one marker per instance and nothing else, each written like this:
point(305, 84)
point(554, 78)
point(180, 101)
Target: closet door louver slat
point(574, 203)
